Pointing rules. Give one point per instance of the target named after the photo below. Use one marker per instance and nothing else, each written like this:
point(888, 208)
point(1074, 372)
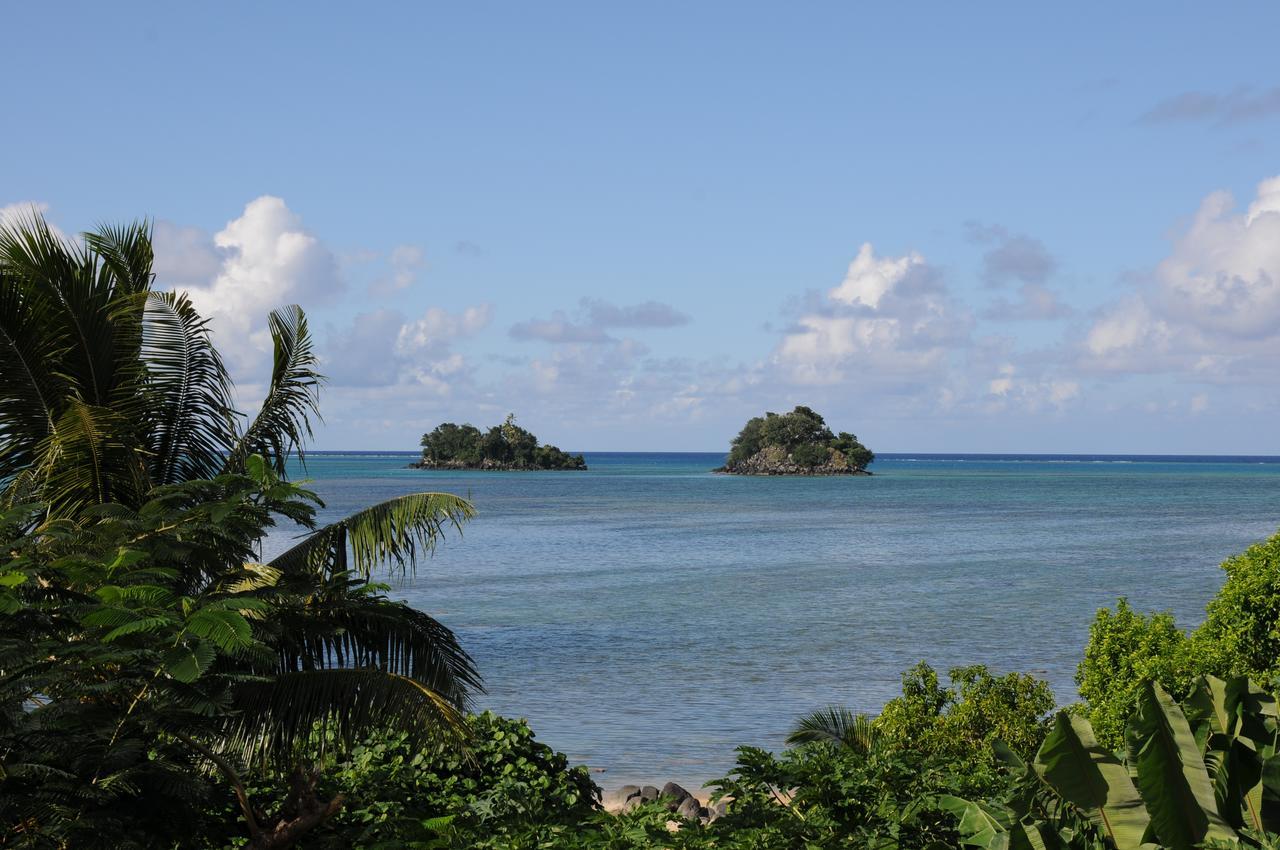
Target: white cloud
point(1211, 309)
point(869, 279)
point(438, 326)
point(267, 260)
point(890, 319)
point(382, 348)
point(406, 263)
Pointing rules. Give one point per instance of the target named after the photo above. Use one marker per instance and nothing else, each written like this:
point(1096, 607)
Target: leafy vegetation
point(400, 794)
point(147, 655)
point(799, 441)
point(1197, 774)
point(505, 446)
point(1239, 637)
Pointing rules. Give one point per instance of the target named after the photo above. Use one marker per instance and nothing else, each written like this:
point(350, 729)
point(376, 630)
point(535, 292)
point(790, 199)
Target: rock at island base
point(774, 461)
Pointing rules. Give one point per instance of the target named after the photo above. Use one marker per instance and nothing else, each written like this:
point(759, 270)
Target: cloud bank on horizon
point(892, 341)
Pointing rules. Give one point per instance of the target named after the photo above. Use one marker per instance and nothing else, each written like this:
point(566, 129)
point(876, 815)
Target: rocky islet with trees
point(795, 443)
point(505, 447)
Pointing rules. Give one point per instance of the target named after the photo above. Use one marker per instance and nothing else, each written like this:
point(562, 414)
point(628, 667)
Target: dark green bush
point(811, 455)
point(398, 796)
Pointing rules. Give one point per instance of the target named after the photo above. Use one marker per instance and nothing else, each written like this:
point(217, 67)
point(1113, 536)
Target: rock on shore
point(677, 800)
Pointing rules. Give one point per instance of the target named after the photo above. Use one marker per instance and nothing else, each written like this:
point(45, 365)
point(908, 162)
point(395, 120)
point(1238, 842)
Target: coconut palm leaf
point(188, 390)
point(275, 717)
point(31, 389)
point(283, 424)
point(396, 530)
point(839, 726)
point(373, 632)
point(126, 254)
point(87, 460)
point(85, 295)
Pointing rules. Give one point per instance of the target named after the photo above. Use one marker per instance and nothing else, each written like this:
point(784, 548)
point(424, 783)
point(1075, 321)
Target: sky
point(997, 227)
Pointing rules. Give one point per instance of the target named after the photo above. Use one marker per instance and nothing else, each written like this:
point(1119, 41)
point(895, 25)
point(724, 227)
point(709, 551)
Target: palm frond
point(188, 392)
point(87, 459)
point(374, 632)
point(275, 718)
point(838, 726)
point(31, 389)
point(396, 530)
point(126, 253)
point(283, 424)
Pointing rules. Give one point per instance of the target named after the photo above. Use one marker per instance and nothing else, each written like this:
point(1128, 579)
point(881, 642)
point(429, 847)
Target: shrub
point(1239, 637)
point(963, 720)
point(811, 455)
point(399, 796)
point(1241, 634)
point(1126, 650)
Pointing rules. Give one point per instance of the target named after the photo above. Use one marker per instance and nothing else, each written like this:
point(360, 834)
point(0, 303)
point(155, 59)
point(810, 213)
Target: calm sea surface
point(647, 616)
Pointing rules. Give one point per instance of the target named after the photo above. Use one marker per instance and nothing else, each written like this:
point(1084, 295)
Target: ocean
point(648, 616)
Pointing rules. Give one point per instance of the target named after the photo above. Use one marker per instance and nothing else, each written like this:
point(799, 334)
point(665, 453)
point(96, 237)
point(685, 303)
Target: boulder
point(615, 799)
point(648, 793)
point(674, 795)
point(674, 791)
point(690, 809)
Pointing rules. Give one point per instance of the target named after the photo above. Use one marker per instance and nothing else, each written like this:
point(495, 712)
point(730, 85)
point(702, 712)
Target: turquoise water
point(648, 616)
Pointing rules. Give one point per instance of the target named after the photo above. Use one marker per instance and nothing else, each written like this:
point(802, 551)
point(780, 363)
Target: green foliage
point(144, 654)
point(1126, 650)
point(505, 446)
point(801, 436)
point(1241, 632)
point(400, 794)
point(1203, 773)
point(1239, 637)
point(144, 657)
point(962, 720)
point(839, 726)
point(116, 389)
point(810, 454)
point(822, 796)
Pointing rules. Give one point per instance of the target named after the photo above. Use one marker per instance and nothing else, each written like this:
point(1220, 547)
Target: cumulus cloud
point(405, 264)
point(593, 319)
point(1009, 388)
point(1211, 309)
point(1235, 107)
point(890, 318)
point(259, 261)
point(1013, 257)
point(383, 348)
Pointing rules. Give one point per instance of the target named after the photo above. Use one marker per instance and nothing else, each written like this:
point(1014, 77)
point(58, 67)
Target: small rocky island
point(795, 443)
point(505, 447)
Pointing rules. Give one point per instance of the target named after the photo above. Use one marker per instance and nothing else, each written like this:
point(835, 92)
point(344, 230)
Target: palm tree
point(113, 394)
point(839, 727)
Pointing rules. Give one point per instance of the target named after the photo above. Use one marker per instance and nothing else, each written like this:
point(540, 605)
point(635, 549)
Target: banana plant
point(1201, 773)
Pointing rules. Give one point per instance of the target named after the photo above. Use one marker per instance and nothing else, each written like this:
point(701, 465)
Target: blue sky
point(638, 226)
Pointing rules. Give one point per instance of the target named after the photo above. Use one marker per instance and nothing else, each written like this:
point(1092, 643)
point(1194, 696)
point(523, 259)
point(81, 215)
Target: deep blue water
point(648, 616)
